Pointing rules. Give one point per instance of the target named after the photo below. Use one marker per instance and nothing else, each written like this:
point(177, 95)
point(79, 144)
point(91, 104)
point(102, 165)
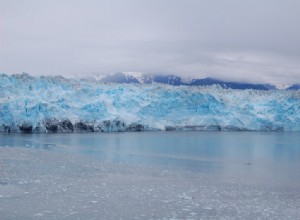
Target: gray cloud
point(238, 40)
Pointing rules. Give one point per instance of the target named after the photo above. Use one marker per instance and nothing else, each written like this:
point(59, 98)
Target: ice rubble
point(56, 104)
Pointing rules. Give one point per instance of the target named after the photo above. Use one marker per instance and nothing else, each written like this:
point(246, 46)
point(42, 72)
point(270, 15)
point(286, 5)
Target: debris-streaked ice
point(56, 104)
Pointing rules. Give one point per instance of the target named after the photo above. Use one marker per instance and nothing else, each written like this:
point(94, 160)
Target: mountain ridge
point(170, 79)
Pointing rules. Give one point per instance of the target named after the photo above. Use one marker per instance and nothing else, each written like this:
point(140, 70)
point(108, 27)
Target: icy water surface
point(150, 175)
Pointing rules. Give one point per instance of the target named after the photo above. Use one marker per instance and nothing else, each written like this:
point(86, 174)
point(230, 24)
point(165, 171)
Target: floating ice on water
point(56, 104)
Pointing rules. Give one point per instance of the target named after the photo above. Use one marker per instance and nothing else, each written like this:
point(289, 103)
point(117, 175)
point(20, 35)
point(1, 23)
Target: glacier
point(56, 104)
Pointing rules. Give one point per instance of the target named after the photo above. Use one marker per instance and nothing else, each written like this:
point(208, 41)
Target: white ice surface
point(32, 100)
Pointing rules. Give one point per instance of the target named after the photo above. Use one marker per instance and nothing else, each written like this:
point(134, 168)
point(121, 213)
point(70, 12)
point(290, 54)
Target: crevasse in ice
point(56, 104)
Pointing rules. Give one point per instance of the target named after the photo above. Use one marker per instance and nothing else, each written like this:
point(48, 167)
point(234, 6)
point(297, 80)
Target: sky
point(249, 40)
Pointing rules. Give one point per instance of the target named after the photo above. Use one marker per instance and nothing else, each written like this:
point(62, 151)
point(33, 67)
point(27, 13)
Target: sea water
point(171, 175)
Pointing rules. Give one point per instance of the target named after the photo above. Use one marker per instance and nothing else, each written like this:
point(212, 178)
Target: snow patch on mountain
point(137, 75)
point(283, 86)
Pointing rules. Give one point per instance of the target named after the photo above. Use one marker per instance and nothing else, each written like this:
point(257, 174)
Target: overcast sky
point(245, 40)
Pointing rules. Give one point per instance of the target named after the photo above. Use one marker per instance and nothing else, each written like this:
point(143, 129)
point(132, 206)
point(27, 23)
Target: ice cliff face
point(56, 104)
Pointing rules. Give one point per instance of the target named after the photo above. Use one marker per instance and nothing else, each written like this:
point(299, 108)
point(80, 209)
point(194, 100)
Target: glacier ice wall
point(56, 104)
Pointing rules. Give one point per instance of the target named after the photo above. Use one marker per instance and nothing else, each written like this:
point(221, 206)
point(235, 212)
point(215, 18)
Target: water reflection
point(26, 141)
point(190, 150)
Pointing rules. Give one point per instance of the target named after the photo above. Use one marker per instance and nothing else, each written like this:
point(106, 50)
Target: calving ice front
point(57, 104)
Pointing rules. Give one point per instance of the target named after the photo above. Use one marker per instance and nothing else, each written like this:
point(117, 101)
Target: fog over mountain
point(248, 41)
point(143, 78)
